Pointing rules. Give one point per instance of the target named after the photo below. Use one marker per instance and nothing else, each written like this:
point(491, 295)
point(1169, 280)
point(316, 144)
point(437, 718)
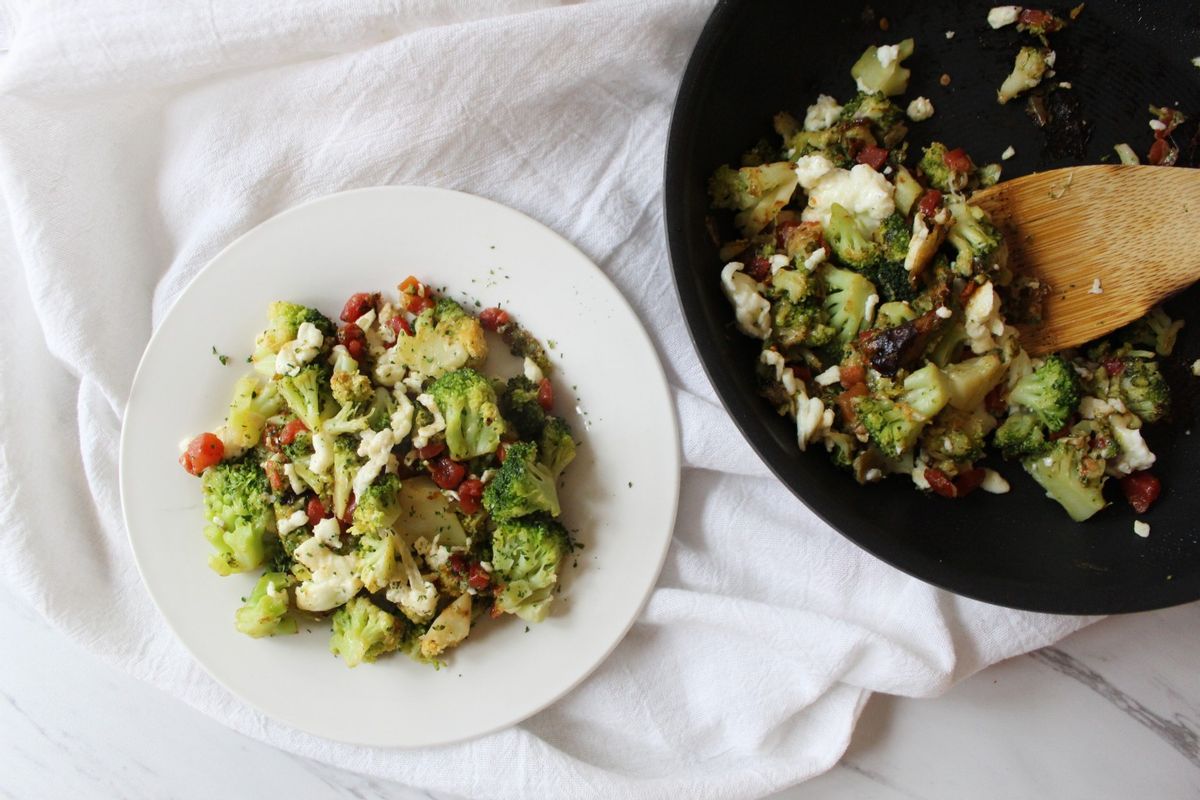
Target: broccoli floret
point(351, 418)
point(852, 247)
point(841, 448)
point(796, 310)
point(974, 237)
point(350, 387)
point(758, 194)
point(893, 237)
point(1070, 477)
point(305, 393)
point(894, 313)
point(522, 486)
point(938, 172)
point(520, 407)
point(346, 464)
point(362, 631)
point(892, 426)
point(468, 404)
point(556, 449)
point(892, 280)
point(1156, 330)
point(249, 409)
point(445, 338)
point(240, 514)
point(886, 117)
point(956, 436)
point(800, 241)
point(846, 297)
point(1144, 390)
point(379, 507)
point(525, 558)
point(265, 611)
point(523, 344)
point(1027, 72)
point(1051, 392)
point(871, 75)
point(1020, 435)
point(284, 319)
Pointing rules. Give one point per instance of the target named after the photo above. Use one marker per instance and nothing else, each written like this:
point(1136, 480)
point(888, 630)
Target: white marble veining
point(1112, 712)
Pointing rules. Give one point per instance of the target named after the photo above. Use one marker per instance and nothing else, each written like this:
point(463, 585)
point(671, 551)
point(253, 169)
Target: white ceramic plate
point(620, 495)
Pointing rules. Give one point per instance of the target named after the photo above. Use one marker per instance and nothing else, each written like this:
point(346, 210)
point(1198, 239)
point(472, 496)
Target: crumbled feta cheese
point(862, 191)
point(869, 307)
point(949, 34)
point(328, 532)
point(1000, 16)
point(487, 476)
point(811, 168)
point(1196, 367)
point(778, 262)
point(821, 114)
point(297, 519)
point(289, 472)
point(943, 313)
point(920, 109)
point(532, 371)
point(334, 577)
point(1196, 61)
point(1094, 408)
point(829, 376)
point(1008, 153)
point(413, 381)
point(376, 447)
point(1051, 57)
point(815, 258)
point(388, 370)
point(1142, 529)
point(402, 418)
point(993, 482)
point(982, 319)
point(783, 373)
point(751, 309)
point(1064, 85)
point(918, 476)
point(887, 54)
point(1157, 125)
point(1134, 455)
point(1096, 288)
point(366, 320)
point(426, 432)
point(322, 457)
point(301, 350)
point(873, 475)
point(812, 418)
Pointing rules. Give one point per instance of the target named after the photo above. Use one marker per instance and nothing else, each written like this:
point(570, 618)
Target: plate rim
point(673, 454)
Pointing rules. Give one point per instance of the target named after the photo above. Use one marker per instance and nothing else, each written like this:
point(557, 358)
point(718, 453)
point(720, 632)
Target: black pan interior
point(760, 56)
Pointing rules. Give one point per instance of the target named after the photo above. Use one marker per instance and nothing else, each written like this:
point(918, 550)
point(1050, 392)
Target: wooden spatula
point(1136, 230)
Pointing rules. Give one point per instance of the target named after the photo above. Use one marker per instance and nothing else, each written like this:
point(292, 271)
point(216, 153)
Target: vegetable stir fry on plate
point(373, 473)
point(880, 294)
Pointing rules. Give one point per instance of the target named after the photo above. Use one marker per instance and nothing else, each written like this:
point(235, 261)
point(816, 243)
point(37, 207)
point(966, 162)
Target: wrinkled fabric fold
point(136, 142)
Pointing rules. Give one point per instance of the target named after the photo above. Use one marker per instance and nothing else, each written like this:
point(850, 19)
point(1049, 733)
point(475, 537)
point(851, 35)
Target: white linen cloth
point(137, 139)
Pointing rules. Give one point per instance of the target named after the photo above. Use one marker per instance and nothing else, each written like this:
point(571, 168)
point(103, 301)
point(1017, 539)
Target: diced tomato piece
point(852, 374)
point(759, 268)
point(470, 495)
point(446, 472)
point(873, 157)
point(801, 371)
point(968, 481)
point(930, 202)
point(294, 428)
point(356, 306)
point(1041, 21)
point(995, 401)
point(1114, 366)
point(957, 160)
point(940, 482)
point(968, 289)
point(501, 452)
point(545, 395)
point(478, 577)
point(417, 303)
point(349, 335)
point(457, 563)
point(430, 450)
point(399, 325)
point(493, 319)
point(1159, 153)
point(348, 516)
point(275, 475)
point(1141, 490)
point(355, 349)
point(495, 612)
point(845, 401)
point(315, 510)
point(205, 451)
point(411, 285)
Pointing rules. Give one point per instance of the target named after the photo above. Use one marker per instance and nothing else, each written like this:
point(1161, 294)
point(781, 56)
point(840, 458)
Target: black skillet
point(761, 56)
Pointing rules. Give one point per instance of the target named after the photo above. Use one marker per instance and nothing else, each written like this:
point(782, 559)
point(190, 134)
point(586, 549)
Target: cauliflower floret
point(751, 309)
point(416, 596)
point(1134, 455)
point(334, 577)
point(982, 319)
point(811, 168)
point(821, 114)
point(301, 350)
point(297, 519)
point(861, 190)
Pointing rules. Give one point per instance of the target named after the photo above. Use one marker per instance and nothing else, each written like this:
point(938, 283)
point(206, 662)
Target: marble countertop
point(1111, 712)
